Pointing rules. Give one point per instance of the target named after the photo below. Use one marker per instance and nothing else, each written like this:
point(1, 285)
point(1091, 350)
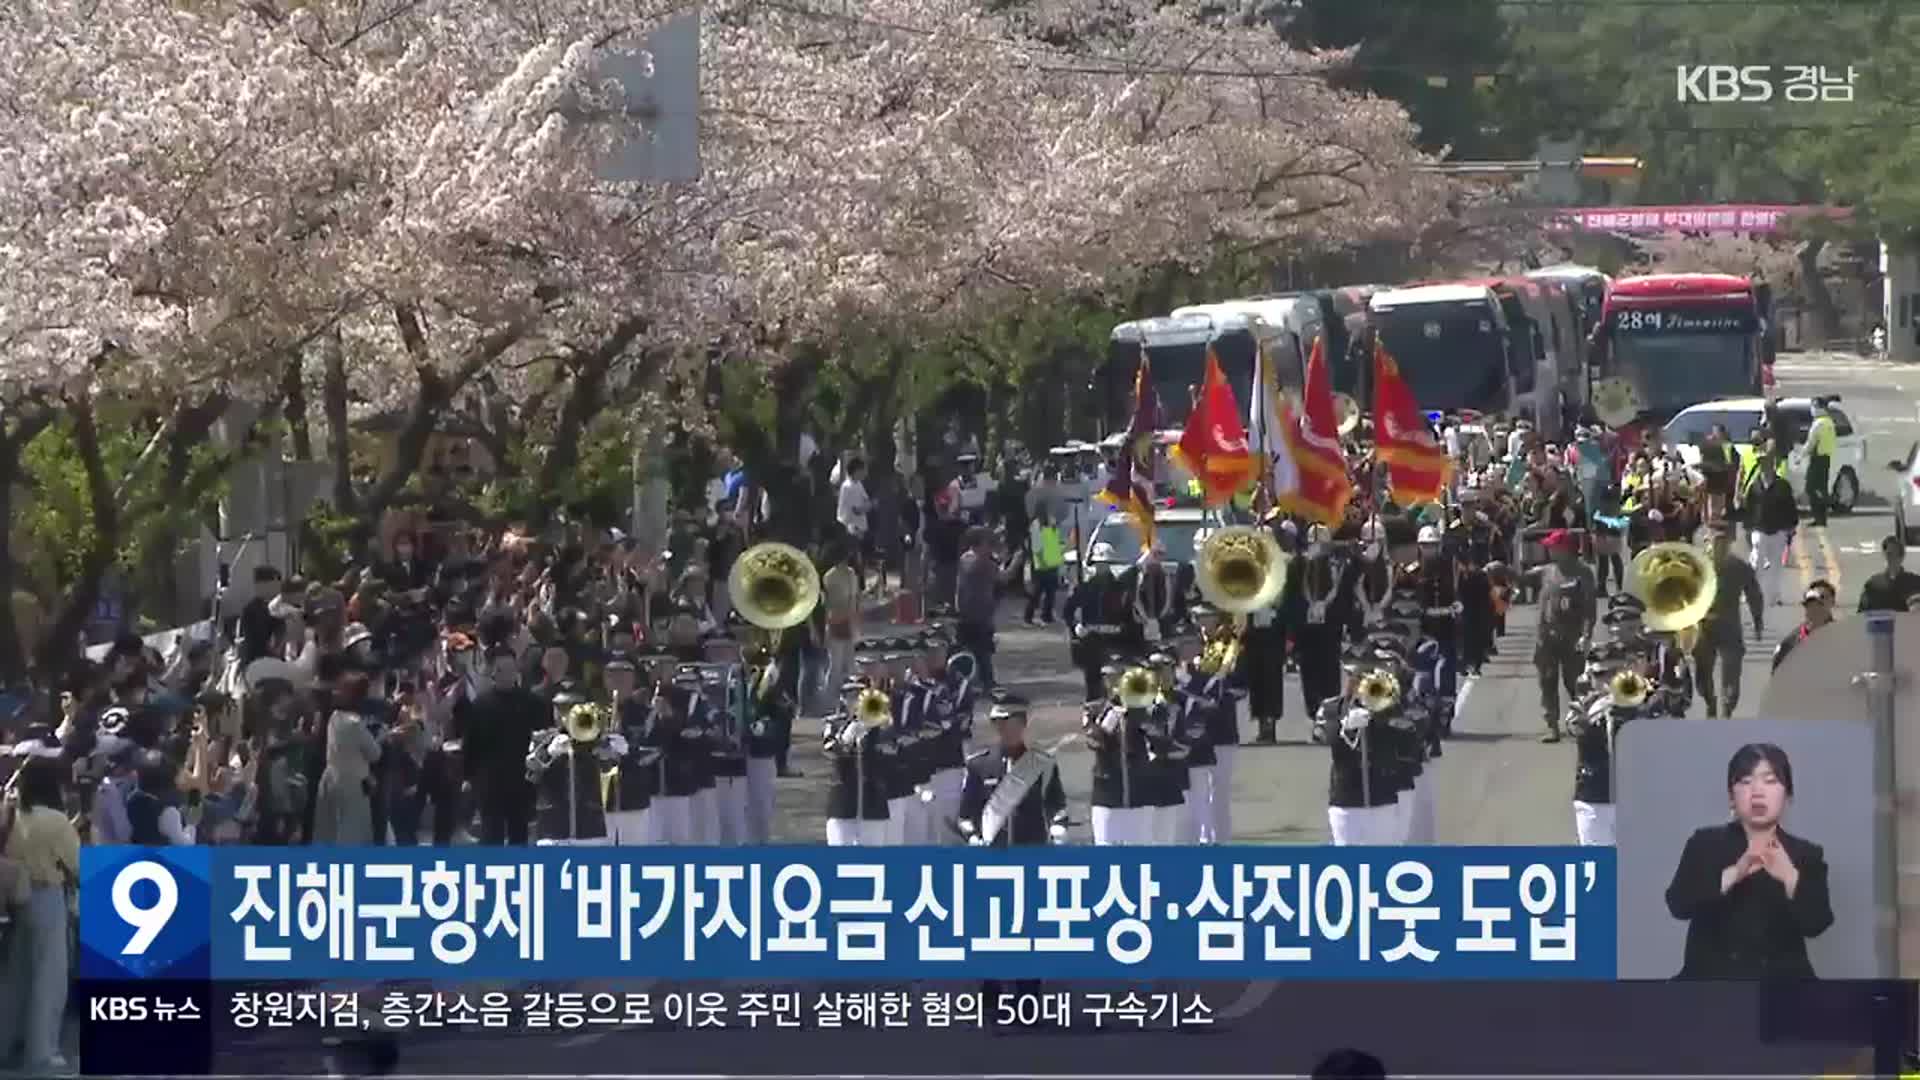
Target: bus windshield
point(1673, 371)
point(1451, 355)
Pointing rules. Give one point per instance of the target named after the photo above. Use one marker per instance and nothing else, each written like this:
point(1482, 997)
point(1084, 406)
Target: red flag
point(1418, 469)
point(1129, 486)
point(1214, 446)
point(1314, 436)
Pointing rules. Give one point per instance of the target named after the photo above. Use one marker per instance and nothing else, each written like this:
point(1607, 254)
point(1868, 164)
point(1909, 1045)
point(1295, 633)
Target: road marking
point(1806, 567)
point(1833, 562)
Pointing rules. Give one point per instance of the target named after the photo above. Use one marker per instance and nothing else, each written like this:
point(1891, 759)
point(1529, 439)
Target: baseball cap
point(1557, 539)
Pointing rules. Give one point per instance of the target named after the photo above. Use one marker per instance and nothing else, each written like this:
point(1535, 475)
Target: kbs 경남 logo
point(1724, 83)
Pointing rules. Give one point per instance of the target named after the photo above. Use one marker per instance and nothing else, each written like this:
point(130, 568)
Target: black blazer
point(1755, 931)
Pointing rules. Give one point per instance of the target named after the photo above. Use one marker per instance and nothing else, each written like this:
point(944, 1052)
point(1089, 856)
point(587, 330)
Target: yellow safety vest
point(1048, 553)
point(1821, 436)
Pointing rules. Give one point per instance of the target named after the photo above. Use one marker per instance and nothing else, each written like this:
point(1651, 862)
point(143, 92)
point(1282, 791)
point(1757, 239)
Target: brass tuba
point(1676, 583)
point(1137, 688)
point(1241, 569)
point(1628, 689)
point(774, 586)
point(1347, 412)
point(1377, 691)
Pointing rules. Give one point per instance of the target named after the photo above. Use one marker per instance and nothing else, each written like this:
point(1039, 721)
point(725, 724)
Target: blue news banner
point(195, 914)
point(180, 947)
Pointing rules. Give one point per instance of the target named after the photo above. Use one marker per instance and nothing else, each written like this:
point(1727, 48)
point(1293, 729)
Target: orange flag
point(1314, 437)
point(1214, 446)
point(1418, 469)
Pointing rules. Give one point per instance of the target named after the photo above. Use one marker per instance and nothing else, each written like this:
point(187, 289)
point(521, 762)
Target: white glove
point(1057, 832)
point(1458, 607)
point(559, 744)
point(617, 745)
point(967, 827)
point(1355, 721)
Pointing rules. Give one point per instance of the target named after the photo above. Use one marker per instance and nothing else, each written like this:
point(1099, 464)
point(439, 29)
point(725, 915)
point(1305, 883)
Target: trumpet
point(1220, 653)
point(1676, 583)
point(1241, 569)
point(1377, 691)
point(873, 709)
point(1628, 689)
point(1137, 688)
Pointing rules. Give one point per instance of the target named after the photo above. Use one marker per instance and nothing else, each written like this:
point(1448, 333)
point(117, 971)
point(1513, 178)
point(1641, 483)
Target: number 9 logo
point(147, 922)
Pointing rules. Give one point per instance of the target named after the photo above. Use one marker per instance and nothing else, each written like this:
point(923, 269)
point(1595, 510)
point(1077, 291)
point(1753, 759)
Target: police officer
point(1122, 787)
point(1569, 607)
point(1099, 616)
point(1320, 608)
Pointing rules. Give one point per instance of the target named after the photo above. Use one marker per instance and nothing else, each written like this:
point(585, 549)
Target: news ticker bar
point(1447, 913)
point(1165, 1028)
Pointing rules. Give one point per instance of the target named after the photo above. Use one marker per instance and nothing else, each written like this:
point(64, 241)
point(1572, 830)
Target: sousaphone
point(1616, 401)
point(1347, 412)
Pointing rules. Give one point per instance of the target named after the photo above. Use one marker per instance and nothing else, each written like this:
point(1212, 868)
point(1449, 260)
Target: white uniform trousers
point(1421, 825)
point(1213, 802)
point(846, 832)
point(947, 784)
point(730, 804)
point(590, 841)
point(630, 828)
point(760, 783)
point(1187, 816)
point(899, 820)
point(670, 819)
point(706, 816)
point(1767, 552)
point(1363, 826)
point(1593, 823)
point(1115, 826)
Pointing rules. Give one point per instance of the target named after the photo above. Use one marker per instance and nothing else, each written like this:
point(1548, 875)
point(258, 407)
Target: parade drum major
point(1830, 676)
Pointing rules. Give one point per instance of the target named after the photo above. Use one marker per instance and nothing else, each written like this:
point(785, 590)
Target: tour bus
point(1452, 344)
point(1306, 316)
point(1176, 348)
point(1682, 339)
point(1587, 285)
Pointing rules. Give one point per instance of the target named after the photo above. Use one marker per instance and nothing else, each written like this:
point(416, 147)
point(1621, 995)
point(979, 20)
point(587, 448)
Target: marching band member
point(1210, 682)
point(906, 767)
point(1375, 586)
point(723, 680)
point(951, 689)
point(1400, 741)
point(1623, 693)
point(1116, 731)
point(1319, 606)
point(675, 718)
point(857, 753)
point(1099, 615)
point(1191, 707)
point(1432, 710)
point(1360, 786)
point(1264, 663)
point(1439, 584)
point(629, 810)
point(1012, 795)
point(1153, 594)
point(1168, 751)
point(571, 765)
point(772, 693)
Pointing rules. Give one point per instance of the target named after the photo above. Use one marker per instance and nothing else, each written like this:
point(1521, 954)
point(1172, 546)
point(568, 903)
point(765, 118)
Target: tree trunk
point(14, 438)
point(584, 401)
point(1820, 304)
point(333, 402)
point(293, 394)
point(60, 650)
